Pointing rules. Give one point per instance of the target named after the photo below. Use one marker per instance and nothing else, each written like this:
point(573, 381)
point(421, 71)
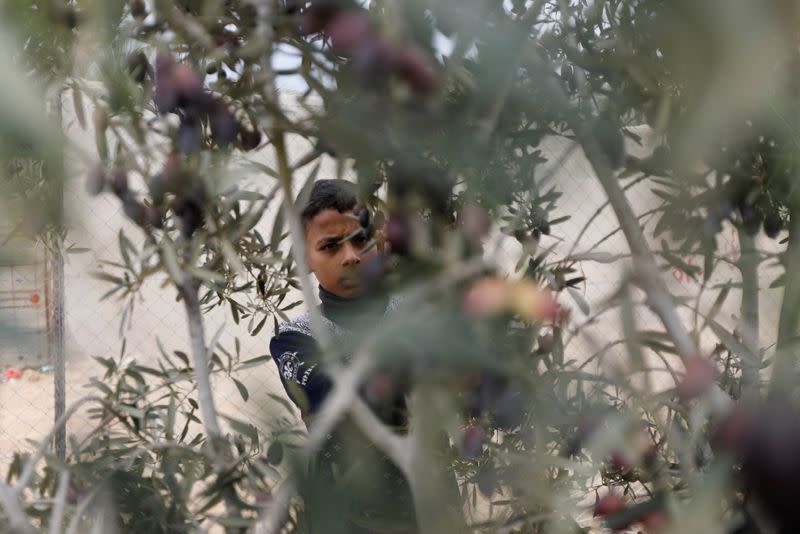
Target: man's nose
point(351, 254)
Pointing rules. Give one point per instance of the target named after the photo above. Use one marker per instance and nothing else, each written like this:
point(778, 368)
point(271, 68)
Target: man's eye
point(330, 246)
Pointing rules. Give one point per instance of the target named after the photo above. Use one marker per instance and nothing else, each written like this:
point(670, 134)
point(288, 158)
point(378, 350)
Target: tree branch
point(205, 397)
point(395, 447)
point(783, 370)
point(749, 320)
point(17, 520)
point(30, 467)
point(60, 501)
point(433, 485)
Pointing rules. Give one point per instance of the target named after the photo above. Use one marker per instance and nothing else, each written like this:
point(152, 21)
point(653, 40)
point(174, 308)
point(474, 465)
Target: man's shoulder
point(299, 325)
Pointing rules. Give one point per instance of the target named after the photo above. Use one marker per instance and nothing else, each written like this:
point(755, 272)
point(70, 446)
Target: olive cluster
point(757, 191)
point(352, 34)
point(179, 89)
point(499, 398)
point(187, 196)
point(116, 180)
point(765, 439)
point(416, 186)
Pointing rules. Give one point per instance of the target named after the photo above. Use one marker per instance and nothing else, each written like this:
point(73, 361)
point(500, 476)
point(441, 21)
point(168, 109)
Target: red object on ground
point(35, 298)
point(12, 374)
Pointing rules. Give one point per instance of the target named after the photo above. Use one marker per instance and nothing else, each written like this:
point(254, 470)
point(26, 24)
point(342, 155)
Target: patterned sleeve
point(297, 358)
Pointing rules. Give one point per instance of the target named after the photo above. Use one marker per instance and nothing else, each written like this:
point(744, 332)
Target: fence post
point(57, 345)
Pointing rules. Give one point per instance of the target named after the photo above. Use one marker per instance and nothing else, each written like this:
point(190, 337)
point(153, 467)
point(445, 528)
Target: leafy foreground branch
point(449, 149)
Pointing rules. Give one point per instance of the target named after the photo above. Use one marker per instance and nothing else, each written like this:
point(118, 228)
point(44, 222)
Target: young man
point(355, 488)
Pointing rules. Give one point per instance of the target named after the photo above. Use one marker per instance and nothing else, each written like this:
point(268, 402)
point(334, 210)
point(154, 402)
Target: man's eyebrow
point(328, 239)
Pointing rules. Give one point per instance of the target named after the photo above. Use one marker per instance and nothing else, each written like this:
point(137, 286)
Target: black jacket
point(297, 354)
point(375, 491)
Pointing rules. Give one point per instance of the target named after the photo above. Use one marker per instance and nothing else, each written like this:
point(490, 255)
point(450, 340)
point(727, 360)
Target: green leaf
point(243, 428)
point(275, 453)
point(170, 258)
point(282, 401)
point(718, 302)
point(253, 362)
point(234, 310)
point(277, 229)
point(125, 248)
point(730, 341)
point(215, 339)
point(182, 355)
point(100, 275)
point(77, 105)
point(242, 390)
point(579, 300)
point(259, 326)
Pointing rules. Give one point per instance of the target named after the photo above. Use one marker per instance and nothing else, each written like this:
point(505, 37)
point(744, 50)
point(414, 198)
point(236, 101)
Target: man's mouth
point(350, 280)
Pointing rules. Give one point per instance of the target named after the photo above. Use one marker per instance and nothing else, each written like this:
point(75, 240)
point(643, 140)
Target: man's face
point(336, 262)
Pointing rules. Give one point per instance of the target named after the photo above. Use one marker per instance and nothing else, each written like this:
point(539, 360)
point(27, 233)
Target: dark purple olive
point(475, 222)
point(165, 95)
point(172, 170)
point(772, 224)
point(138, 9)
point(508, 409)
point(611, 141)
point(157, 185)
point(188, 83)
point(249, 139)
point(363, 216)
point(164, 64)
point(771, 465)
point(752, 216)
point(71, 17)
point(398, 234)
point(473, 441)
point(372, 63)
point(187, 138)
point(224, 127)
point(568, 75)
point(134, 209)
point(191, 219)
point(138, 66)
point(119, 182)
point(153, 217)
point(415, 66)
point(178, 205)
point(318, 14)
point(275, 453)
point(349, 30)
point(487, 480)
point(96, 181)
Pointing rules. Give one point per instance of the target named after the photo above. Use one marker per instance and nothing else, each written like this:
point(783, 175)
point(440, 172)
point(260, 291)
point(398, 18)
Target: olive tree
point(442, 109)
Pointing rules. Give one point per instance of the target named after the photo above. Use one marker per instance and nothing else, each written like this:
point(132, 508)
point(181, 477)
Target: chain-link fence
point(101, 327)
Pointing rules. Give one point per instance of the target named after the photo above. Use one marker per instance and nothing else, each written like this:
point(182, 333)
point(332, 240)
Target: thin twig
point(57, 515)
point(17, 520)
point(205, 396)
point(783, 369)
point(30, 467)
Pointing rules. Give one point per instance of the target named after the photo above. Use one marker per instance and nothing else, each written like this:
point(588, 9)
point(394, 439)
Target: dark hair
point(329, 194)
